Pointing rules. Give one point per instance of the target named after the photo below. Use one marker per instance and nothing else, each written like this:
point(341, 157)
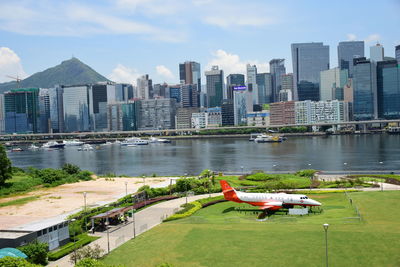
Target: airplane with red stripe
point(266, 201)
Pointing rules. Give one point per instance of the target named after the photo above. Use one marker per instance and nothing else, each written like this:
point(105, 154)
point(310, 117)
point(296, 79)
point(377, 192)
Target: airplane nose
point(316, 203)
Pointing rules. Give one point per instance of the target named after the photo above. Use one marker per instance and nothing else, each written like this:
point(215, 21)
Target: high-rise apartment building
point(310, 112)
point(309, 59)
point(215, 86)
point(264, 86)
point(240, 102)
point(189, 95)
point(332, 82)
point(277, 69)
point(233, 80)
point(397, 53)
point(122, 116)
point(365, 103)
point(22, 113)
point(251, 71)
point(144, 87)
point(347, 51)
point(388, 87)
point(190, 73)
point(156, 114)
point(376, 53)
point(183, 119)
point(282, 113)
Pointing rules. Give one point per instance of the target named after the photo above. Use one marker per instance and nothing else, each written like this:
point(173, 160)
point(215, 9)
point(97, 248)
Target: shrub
point(5, 166)
point(306, 173)
point(36, 252)
point(85, 175)
point(194, 206)
point(87, 252)
point(83, 239)
point(71, 168)
point(16, 262)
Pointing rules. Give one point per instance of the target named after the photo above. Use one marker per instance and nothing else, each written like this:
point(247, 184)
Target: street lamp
point(186, 188)
point(126, 188)
point(325, 225)
point(241, 167)
point(381, 162)
point(108, 236)
point(72, 220)
point(144, 180)
point(84, 199)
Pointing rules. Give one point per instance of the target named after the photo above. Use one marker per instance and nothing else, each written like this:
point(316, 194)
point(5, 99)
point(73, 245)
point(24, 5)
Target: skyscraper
point(189, 72)
point(264, 85)
point(397, 52)
point(376, 52)
point(240, 106)
point(189, 96)
point(277, 69)
point(76, 108)
point(21, 108)
point(388, 87)
point(286, 93)
point(332, 80)
point(309, 59)
point(100, 95)
point(347, 51)
point(144, 87)
point(233, 80)
point(365, 103)
point(252, 83)
point(215, 86)
point(44, 110)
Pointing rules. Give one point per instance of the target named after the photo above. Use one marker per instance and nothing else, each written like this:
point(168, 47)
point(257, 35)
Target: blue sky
point(123, 39)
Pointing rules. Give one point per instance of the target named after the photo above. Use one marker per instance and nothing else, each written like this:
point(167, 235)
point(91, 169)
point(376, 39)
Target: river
point(191, 156)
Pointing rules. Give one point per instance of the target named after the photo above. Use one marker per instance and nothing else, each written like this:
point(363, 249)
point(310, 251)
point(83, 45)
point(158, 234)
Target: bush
point(85, 175)
point(306, 173)
point(36, 252)
point(190, 208)
point(71, 168)
point(261, 177)
point(83, 239)
point(16, 262)
point(87, 252)
point(5, 166)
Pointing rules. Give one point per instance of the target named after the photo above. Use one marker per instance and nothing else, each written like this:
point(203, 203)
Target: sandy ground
point(69, 197)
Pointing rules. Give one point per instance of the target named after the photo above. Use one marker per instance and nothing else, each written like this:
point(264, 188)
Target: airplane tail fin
point(229, 192)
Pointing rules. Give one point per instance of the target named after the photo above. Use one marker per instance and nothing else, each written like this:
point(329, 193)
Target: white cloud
point(10, 64)
point(351, 37)
point(229, 20)
point(123, 74)
point(372, 38)
point(152, 7)
point(164, 72)
point(231, 63)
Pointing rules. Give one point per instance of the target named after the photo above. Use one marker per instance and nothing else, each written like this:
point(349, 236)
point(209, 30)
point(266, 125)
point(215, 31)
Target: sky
point(123, 39)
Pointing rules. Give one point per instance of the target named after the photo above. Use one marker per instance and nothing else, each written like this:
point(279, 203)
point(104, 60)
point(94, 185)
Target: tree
point(36, 252)
point(5, 166)
point(71, 168)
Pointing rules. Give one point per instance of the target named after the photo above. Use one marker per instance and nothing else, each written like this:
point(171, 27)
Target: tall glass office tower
point(215, 85)
point(76, 108)
point(265, 88)
point(309, 59)
point(233, 80)
point(388, 81)
point(277, 69)
point(347, 51)
point(365, 104)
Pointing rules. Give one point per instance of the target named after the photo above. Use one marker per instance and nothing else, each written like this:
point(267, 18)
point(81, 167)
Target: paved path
point(145, 220)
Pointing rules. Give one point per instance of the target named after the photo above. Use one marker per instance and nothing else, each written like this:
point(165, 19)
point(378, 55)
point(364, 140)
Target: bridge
point(170, 132)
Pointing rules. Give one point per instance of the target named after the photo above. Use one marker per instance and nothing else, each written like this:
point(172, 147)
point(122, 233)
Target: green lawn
point(219, 235)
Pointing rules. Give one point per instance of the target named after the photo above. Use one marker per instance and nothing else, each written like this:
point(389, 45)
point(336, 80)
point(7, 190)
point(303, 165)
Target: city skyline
point(128, 38)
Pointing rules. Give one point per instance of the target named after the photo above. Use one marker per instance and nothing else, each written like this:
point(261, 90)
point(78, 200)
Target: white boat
point(73, 142)
point(106, 144)
point(16, 149)
point(117, 142)
point(85, 147)
point(263, 138)
point(253, 136)
point(155, 140)
point(393, 130)
point(134, 141)
point(33, 147)
point(52, 144)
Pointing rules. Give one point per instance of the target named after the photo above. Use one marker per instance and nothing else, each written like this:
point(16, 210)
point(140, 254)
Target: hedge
point(195, 207)
point(325, 191)
point(83, 240)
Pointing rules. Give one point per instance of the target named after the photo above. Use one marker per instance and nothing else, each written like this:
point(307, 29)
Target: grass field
point(221, 236)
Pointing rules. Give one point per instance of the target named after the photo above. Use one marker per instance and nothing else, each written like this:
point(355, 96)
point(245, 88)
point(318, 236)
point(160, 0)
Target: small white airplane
point(266, 201)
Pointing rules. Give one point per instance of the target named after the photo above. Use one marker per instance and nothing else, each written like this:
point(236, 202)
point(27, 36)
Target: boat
point(106, 144)
point(131, 145)
point(253, 136)
point(117, 142)
point(16, 149)
point(134, 141)
point(53, 144)
point(73, 142)
point(85, 147)
point(393, 130)
point(263, 138)
point(33, 147)
point(155, 140)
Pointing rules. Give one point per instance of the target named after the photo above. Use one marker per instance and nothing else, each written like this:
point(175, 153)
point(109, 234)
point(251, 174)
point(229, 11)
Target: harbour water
point(191, 156)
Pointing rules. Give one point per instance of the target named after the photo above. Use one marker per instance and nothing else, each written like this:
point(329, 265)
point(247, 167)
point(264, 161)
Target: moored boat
point(73, 142)
point(53, 144)
point(134, 141)
point(263, 138)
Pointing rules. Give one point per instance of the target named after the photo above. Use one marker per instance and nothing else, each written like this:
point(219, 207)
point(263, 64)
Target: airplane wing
point(271, 205)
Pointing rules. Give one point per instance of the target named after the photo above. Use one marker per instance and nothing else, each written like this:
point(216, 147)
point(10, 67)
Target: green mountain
point(69, 72)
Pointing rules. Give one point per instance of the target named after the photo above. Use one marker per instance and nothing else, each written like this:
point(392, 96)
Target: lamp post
point(325, 225)
point(381, 162)
point(241, 167)
point(108, 237)
point(133, 216)
point(186, 187)
point(72, 220)
point(144, 180)
point(84, 200)
point(126, 188)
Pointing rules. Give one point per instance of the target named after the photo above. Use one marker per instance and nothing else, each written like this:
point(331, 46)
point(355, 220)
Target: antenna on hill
point(17, 79)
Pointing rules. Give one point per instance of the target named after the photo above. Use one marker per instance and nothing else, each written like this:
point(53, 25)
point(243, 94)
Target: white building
point(259, 119)
point(144, 87)
point(252, 84)
point(332, 82)
point(309, 112)
point(376, 52)
point(199, 120)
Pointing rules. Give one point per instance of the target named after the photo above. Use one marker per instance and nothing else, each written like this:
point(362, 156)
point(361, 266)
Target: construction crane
point(17, 79)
